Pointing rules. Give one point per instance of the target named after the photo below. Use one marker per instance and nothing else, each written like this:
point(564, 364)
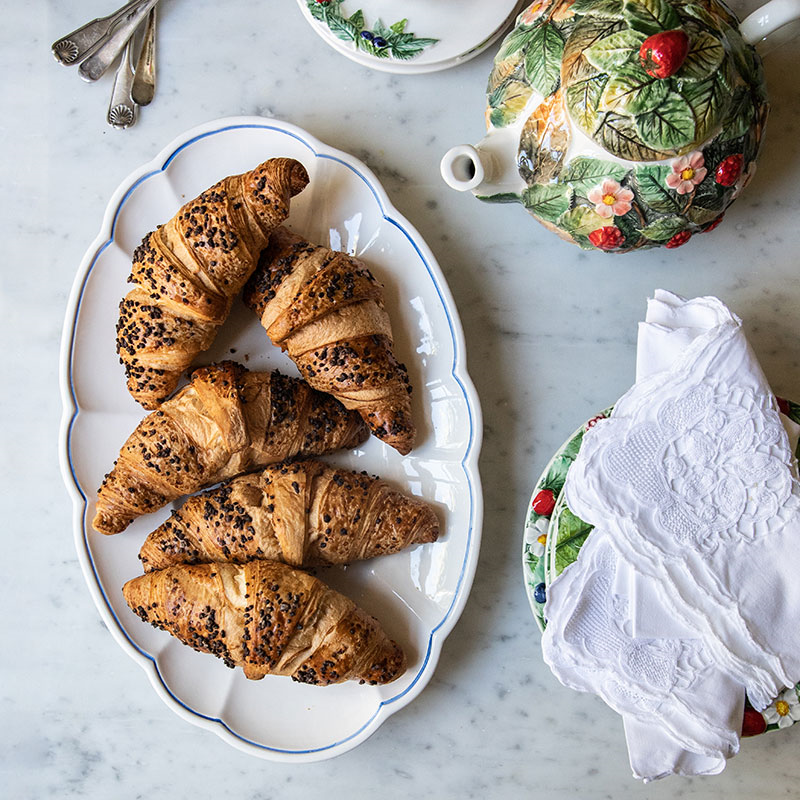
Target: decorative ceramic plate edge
point(469, 462)
point(538, 522)
point(398, 66)
point(755, 722)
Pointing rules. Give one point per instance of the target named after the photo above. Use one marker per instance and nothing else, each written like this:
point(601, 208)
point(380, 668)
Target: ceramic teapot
point(623, 124)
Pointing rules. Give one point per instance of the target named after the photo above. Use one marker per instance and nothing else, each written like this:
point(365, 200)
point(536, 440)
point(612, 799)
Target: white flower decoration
point(785, 711)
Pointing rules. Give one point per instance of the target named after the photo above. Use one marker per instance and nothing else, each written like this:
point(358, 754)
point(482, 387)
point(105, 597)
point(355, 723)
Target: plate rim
point(399, 67)
point(458, 370)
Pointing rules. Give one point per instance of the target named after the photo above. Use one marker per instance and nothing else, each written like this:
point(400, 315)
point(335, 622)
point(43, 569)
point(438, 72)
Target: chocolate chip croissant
point(304, 513)
point(267, 618)
point(187, 272)
point(327, 311)
point(227, 421)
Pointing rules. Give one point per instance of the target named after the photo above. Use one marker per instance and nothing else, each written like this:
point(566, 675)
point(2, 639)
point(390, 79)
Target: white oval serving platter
point(418, 594)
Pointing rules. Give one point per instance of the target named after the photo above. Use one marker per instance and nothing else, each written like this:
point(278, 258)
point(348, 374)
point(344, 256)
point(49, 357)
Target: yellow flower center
point(542, 539)
point(609, 199)
point(782, 707)
point(687, 174)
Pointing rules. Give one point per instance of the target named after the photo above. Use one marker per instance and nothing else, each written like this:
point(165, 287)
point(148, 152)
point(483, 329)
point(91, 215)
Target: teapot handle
point(768, 19)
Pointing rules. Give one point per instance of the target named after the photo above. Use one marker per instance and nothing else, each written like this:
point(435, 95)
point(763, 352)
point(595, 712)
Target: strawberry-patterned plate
point(553, 537)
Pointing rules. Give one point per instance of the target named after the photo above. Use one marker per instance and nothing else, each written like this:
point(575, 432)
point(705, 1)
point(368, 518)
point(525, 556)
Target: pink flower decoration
point(610, 199)
point(687, 172)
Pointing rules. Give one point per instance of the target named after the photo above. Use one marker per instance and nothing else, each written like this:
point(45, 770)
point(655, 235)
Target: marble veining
point(550, 334)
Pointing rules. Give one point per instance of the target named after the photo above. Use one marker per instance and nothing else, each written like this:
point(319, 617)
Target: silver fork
point(83, 41)
point(97, 63)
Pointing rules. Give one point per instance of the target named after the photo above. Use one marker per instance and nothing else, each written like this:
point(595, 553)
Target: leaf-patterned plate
point(553, 537)
point(411, 37)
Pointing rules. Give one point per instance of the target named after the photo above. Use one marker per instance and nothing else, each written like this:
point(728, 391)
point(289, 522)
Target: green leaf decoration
point(584, 242)
point(584, 173)
point(671, 126)
point(651, 16)
point(705, 55)
point(581, 220)
point(651, 187)
point(543, 58)
point(557, 474)
point(507, 101)
point(343, 28)
point(573, 447)
point(611, 9)
point(702, 216)
point(709, 100)
point(664, 228)
point(511, 67)
point(631, 226)
point(514, 42)
point(572, 533)
point(632, 91)
point(547, 200)
point(575, 66)
point(741, 116)
point(502, 197)
point(715, 16)
point(398, 43)
point(544, 141)
point(317, 11)
point(618, 134)
point(709, 194)
point(745, 58)
point(583, 100)
point(615, 50)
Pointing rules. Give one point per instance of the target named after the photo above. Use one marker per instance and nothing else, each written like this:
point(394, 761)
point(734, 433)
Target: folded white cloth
point(686, 592)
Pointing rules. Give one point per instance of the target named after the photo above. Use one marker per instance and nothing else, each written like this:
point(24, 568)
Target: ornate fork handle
point(83, 41)
point(97, 63)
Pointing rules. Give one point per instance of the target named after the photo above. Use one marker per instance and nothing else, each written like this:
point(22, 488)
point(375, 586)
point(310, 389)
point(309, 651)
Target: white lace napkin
point(686, 591)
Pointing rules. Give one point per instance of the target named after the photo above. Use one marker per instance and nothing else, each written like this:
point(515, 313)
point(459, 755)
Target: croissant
point(187, 272)
point(226, 421)
point(267, 618)
point(327, 310)
point(304, 513)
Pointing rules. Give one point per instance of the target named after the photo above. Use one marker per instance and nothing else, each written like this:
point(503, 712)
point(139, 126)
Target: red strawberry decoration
point(662, 54)
point(544, 503)
point(713, 224)
point(609, 237)
point(753, 723)
point(729, 170)
point(783, 406)
point(678, 239)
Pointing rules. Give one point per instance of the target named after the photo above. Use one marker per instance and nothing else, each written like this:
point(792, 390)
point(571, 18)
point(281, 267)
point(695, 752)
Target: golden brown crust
point(267, 618)
point(187, 272)
point(327, 311)
point(225, 422)
point(304, 513)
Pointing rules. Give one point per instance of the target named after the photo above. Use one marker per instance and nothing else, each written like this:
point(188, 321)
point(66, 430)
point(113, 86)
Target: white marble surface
point(550, 336)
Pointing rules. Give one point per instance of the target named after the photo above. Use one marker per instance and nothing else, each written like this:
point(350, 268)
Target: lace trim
point(711, 470)
point(588, 649)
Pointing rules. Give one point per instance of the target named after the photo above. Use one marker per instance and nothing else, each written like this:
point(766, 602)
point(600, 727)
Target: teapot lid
point(644, 79)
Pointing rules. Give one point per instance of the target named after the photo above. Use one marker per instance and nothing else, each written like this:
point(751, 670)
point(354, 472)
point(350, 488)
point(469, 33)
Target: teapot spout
point(487, 169)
